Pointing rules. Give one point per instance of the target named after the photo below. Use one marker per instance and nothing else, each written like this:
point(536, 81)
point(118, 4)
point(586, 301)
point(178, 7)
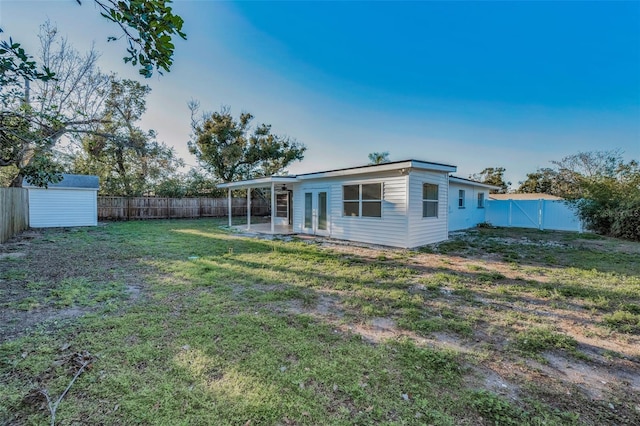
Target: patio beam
point(248, 208)
point(229, 205)
point(273, 206)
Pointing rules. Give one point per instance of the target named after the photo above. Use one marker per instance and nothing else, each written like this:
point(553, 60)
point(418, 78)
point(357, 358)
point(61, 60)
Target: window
point(429, 200)
point(308, 204)
point(481, 200)
point(461, 198)
point(363, 200)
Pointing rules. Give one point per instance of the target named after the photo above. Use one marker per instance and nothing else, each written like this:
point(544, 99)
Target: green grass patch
point(539, 339)
point(623, 321)
point(218, 337)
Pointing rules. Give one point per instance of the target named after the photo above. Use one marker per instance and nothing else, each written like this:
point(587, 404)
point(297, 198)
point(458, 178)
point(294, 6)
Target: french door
point(316, 211)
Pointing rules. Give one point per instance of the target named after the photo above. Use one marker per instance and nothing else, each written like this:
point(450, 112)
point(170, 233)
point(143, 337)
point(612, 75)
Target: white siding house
point(400, 204)
point(467, 203)
point(70, 202)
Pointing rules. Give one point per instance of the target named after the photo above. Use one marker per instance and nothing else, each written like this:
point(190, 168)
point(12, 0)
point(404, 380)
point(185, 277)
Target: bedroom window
point(461, 198)
point(363, 200)
point(429, 200)
point(481, 200)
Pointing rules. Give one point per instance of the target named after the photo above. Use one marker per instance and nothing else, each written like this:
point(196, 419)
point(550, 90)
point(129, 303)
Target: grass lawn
point(184, 322)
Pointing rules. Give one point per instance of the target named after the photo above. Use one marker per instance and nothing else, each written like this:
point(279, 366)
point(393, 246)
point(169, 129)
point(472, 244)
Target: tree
point(195, 183)
point(28, 134)
point(493, 176)
point(542, 181)
point(20, 138)
point(573, 169)
point(232, 149)
point(148, 26)
point(38, 110)
point(379, 157)
point(128, 160)
point(605, 191)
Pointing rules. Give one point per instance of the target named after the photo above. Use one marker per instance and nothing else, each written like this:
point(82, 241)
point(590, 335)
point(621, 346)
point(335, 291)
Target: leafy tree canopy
point(148, 26)
point(28, 133)
point(604, 189)
point(38, 109)
point(128, 160)
point(231, 149)
point(493, 176)
point(379, 157)
point(542, 181)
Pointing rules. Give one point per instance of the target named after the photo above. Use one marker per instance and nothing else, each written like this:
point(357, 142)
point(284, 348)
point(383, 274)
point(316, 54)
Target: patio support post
point(248, 208)
point(273, 206)
point(229, 205)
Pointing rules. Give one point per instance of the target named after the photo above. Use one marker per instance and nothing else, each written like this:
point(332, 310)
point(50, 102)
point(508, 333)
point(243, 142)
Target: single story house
point(401, 204)
point(71, 202)
point(467, 202)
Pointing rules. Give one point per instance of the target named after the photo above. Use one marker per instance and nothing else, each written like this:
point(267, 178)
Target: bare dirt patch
point(608, 366)
point(33, 268)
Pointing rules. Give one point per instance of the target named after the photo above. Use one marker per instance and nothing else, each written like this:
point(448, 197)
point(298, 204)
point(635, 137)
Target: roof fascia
point(257, 183)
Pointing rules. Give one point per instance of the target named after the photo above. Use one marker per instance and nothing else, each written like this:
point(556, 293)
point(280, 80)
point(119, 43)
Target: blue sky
point(511, 84)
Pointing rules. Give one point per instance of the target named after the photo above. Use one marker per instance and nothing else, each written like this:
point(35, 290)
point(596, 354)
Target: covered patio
point(279, 190)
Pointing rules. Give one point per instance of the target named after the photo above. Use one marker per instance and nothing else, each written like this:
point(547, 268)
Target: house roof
point(464, 181)
point(349, 171)
point(372, 168)
point(71, 181)
point(532, 196)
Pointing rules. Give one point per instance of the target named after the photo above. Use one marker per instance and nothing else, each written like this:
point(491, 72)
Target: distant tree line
point(61, 114)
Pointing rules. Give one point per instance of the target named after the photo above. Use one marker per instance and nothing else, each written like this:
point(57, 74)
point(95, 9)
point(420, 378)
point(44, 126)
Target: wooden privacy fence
point(14, 212)
point(140, 208)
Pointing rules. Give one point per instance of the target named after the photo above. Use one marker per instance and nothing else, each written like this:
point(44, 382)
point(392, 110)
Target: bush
point(610, 204)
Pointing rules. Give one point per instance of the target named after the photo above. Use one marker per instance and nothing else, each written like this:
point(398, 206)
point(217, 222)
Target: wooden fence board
point(14, 212)
point(141, 208)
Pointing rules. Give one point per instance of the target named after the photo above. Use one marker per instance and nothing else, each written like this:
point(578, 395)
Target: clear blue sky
point(511, 84)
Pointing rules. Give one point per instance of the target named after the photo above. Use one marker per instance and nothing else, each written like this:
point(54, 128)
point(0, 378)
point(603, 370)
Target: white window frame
point(361, 200)
point(481, 200)
point(427, 200)
point(461, 198)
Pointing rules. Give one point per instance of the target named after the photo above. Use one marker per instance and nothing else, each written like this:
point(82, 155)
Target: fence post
point(541, 214)
point(510, 208)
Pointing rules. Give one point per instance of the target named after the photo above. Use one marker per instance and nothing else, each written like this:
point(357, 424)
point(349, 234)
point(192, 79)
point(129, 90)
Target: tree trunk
point(17, 181)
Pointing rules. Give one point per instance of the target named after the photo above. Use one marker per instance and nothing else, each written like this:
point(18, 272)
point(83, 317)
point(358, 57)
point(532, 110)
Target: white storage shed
point(71, 202)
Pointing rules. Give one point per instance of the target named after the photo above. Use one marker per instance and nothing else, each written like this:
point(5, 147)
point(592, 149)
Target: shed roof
point(71, 181)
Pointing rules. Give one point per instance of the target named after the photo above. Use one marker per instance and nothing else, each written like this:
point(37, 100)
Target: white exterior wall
point(390, 229)
point(427, 230)
point(470, 215)
point(56, 207)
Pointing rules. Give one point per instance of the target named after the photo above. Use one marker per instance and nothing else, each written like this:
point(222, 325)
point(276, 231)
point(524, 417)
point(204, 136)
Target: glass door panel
point(322, 211)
